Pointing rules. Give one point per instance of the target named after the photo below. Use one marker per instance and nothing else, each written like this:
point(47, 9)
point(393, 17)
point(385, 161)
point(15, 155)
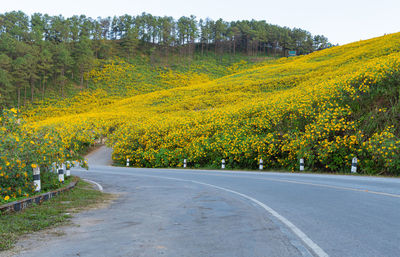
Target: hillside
point(45, 57)
point(326, 107)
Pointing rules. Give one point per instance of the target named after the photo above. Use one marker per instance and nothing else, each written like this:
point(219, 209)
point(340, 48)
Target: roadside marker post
point(301, 164)
point(68, 169)
point(61, 173)
point(184, 163)
point(223, 164)
point(36, 179)
point(54, 167)
point(261, 164)
point(127, 162)
point(354, 165)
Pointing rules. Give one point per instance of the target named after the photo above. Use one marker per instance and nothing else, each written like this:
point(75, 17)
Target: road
point(176, 212)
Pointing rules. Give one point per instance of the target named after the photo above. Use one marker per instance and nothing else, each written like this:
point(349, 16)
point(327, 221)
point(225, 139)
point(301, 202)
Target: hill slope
point(326, 107)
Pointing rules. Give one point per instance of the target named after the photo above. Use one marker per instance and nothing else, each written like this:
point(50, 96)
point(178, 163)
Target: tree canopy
point(42, 51)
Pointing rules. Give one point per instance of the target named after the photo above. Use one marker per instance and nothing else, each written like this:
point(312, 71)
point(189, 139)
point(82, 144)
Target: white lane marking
point(313, 246)
point(286, 181)
point(97, 184)
point(334, 187)
point(316, 249)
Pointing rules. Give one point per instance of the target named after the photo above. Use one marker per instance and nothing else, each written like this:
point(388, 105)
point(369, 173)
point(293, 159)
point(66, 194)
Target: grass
point(49, 214)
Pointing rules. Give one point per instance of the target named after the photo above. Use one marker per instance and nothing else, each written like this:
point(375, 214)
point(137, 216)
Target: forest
point(42, 53)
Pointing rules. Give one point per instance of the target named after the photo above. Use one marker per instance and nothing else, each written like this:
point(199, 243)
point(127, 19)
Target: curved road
point(176, 212)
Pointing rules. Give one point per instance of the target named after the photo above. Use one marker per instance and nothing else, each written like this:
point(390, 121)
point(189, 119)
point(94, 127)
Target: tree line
point(42, 52)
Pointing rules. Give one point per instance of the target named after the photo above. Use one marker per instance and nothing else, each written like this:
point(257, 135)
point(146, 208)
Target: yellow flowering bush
point(326, 107)
point(21, 150)
point(380, 153)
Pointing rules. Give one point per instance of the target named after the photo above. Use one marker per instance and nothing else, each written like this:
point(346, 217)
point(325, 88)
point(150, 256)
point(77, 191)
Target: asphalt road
point(176, 212)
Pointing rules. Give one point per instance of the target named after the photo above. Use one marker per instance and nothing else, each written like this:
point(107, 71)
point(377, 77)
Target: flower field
point(326, 107)
point(117, 79)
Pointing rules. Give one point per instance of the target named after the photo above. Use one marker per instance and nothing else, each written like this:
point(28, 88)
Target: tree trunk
point(44, 86)
point(81, 78)
point(62, 83)
point(32, 82)
point(25, 95)
point(264, 48)
point(248, 45)
point(19, 97)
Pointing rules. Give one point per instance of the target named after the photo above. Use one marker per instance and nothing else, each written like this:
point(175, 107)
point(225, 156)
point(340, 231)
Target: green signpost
point(292, 53)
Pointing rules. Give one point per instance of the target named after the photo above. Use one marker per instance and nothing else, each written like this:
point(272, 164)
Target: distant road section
point(100, 157)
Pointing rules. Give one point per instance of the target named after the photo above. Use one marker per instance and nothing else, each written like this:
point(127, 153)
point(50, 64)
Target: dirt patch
point(108, 200)
point(30, 241)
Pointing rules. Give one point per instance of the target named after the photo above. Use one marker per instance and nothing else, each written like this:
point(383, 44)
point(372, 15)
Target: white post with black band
point(301, 164)
point(61, 173)
point(68, 169)
point(354, 165)
point(36, 179)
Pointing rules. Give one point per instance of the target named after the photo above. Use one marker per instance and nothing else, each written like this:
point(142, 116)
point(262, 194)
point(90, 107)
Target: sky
point(341, 21)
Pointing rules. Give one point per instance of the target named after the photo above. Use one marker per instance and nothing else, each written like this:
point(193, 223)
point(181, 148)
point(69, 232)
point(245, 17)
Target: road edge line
point(313, 246)
point(300, 234)
point(93, 182)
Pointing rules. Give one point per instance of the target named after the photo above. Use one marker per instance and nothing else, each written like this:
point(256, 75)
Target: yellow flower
point(34, 166)
point(6, 198)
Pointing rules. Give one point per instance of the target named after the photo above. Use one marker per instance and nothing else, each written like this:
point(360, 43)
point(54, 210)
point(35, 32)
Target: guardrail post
point(68, 169)
point(223, 164)
point(354, 165)
point(36, 179)
point(54, 167)
point(261, 164)
point(61, 173)
point(184, 163)
point(301, 164)
point(127, 162)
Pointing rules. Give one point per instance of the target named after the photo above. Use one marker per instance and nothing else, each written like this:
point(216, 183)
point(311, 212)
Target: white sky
point(342, 21)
